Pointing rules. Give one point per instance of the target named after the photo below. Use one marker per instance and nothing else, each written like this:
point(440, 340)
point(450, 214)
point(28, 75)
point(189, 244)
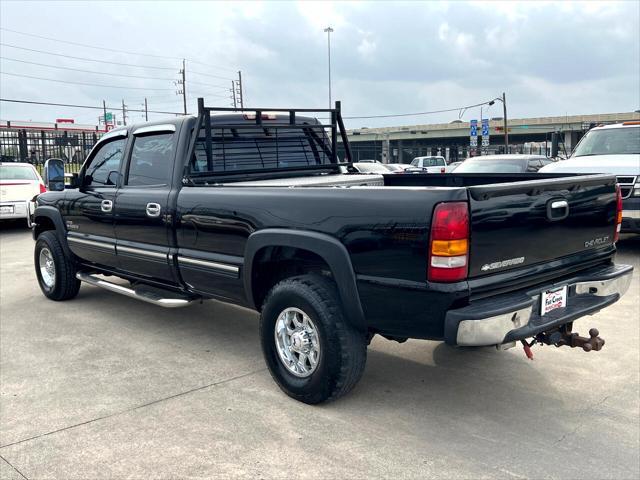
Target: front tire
point(56, 272)
point(312, 353)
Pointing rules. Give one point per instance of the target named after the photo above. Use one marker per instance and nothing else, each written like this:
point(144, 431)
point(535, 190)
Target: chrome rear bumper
point(515, 316)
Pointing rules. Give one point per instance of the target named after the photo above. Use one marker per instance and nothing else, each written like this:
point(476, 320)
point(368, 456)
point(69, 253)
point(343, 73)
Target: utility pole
point(233, 92)
point(241, 96)
point(506, 131)
point(184, 87)
point(146, 110)
point(124, 113)
point(104, 112)
point(329, 30)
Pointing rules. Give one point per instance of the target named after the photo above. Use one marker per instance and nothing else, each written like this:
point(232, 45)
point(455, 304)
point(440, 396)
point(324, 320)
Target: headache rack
point(258, 141)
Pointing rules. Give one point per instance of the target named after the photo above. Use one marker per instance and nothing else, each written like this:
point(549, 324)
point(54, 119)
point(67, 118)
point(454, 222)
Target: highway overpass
point(526, 135)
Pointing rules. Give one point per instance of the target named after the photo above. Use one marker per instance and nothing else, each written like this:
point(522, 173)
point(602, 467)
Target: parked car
point(452, 166)
point(254, 218)
point(512, 163)
point(397, 167)
point(611, 149)
point(371, 167)
point(430, 164)
point(19, 183)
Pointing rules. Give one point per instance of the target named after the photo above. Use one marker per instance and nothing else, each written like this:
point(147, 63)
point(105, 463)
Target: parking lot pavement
point(107, 387)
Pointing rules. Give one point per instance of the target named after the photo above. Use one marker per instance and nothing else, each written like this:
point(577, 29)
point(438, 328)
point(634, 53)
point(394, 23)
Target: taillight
point(449, 243)
point(42, 188)
point(616, 235)
point(442, 170)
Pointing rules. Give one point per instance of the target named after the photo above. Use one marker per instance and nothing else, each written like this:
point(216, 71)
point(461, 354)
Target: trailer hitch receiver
point(564, 337)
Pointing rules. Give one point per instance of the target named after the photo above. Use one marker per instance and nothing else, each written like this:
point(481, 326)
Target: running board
point(157, 296)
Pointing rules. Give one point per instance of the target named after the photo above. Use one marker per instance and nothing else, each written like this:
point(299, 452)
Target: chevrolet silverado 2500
point(253, 208)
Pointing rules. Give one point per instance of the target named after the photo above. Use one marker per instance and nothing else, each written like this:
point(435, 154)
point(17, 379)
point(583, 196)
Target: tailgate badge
point(596, 242)
point(504, 263)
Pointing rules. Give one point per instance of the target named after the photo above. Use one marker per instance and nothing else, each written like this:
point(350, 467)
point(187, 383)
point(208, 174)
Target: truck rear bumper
point(515, 316)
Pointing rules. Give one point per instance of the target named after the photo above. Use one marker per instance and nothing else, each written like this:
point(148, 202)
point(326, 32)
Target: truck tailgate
point(525, 223)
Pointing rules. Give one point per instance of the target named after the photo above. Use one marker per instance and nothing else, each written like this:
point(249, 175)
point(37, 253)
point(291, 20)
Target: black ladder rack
point(278, 129)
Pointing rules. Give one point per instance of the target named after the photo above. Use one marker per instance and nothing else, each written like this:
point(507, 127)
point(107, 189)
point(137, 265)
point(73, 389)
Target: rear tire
point(302, 318)
point(56, 272)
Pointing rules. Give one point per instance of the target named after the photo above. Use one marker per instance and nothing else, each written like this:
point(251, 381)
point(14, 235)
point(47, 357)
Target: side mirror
point(54, 175)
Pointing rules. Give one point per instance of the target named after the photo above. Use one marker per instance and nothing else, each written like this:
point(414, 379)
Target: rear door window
point(252, 148)
point(151, 160)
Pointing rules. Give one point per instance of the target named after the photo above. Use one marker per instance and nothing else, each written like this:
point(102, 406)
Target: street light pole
point(329, 30)
point(506, 131)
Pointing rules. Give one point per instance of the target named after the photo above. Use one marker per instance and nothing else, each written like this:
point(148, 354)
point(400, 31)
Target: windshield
point(611, 141)
point(492, 166)
point(16, 172)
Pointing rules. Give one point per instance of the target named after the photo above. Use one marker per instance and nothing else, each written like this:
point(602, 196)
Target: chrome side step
point(147, 294)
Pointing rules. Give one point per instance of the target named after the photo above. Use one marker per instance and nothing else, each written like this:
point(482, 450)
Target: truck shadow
point(429, 375)
point(14, 227)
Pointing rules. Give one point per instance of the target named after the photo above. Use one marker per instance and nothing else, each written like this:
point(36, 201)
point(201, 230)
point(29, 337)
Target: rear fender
point(328, 248)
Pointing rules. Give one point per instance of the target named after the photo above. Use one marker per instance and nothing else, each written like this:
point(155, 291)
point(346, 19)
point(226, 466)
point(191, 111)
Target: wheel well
point(273, 264)
point(43, 224)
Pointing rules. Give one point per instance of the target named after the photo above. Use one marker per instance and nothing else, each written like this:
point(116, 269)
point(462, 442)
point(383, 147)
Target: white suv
point(611, 149)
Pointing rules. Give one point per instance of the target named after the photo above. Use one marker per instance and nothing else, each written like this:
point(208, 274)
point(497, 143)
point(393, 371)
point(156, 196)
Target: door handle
point(153, 210)
point(557, 210)
point(106, 206)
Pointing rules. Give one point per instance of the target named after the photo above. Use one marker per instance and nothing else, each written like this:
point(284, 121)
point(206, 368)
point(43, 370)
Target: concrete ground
point(107, 387)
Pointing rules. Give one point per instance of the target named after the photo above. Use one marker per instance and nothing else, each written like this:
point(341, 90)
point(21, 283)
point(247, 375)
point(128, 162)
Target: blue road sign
point(474, 128)
point(485, 127)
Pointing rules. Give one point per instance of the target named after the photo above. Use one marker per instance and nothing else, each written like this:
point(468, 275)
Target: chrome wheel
point(297, 342)
point(47, 268)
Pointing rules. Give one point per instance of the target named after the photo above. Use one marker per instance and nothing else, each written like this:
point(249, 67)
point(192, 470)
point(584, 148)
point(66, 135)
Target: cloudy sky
point(550, 58)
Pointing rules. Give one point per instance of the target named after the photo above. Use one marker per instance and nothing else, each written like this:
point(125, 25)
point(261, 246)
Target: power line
point(89, 46)
point(84, 58)
point(110, 49)
point(29, 102)
point(86, 71)
point(206, 84)
point(191, 60)
point(84, 83)
point(212, 76)
point(360, 117)
point(202, 94)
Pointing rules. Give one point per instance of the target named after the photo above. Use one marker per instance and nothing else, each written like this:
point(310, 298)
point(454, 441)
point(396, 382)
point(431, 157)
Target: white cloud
point(367, 49)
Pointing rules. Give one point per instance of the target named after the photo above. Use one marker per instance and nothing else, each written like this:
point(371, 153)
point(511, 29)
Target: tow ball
point(563, 336)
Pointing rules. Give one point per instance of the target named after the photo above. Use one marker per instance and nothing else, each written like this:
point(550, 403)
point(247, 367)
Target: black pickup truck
point(253, 207)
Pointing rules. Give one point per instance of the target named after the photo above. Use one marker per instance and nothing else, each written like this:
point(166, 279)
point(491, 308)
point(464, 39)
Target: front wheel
point(311, 351)
point(56, 272)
